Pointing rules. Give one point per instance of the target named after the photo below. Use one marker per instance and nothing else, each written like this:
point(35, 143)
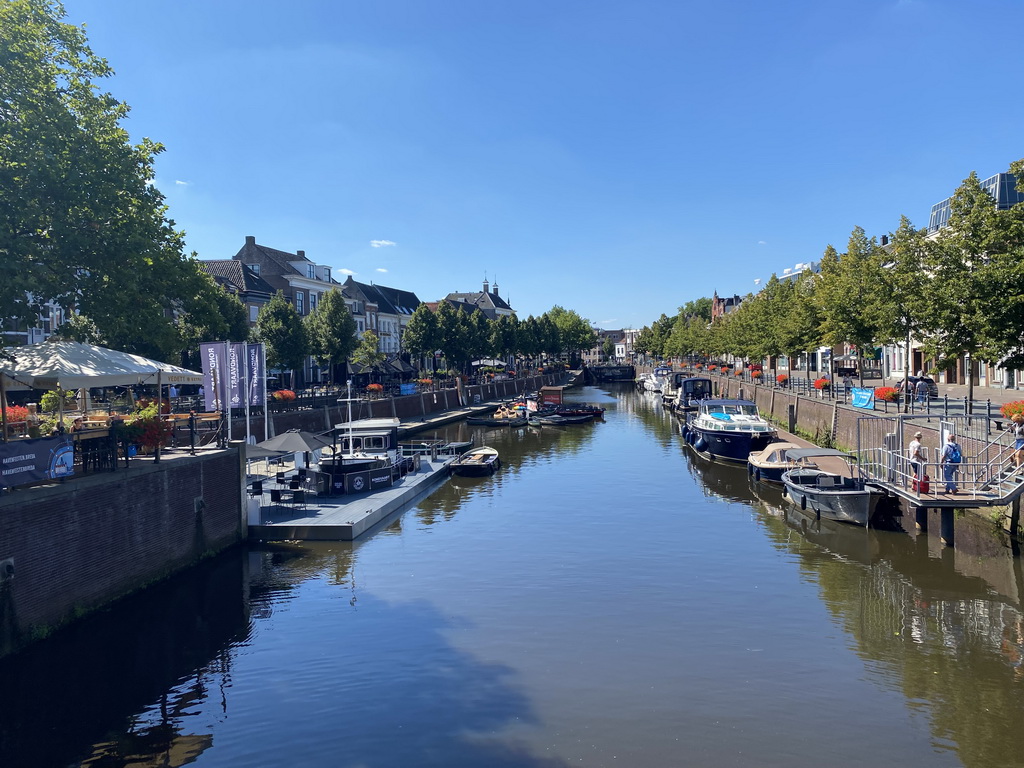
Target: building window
point(254, 267)
point(327, 274)
point(312, 301)
point(300, 302)
point(311, 271)
point(254, 312)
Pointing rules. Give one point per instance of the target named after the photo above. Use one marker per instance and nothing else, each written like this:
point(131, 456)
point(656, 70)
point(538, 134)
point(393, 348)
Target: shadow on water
point(173, 676)
point(81, 693)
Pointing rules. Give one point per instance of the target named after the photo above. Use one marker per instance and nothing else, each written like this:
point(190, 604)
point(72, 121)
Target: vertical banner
point(214, 366)
point(257, 381)
point(235, 385)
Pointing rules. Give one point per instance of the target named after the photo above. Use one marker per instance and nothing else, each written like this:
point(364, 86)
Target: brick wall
point(93, 539)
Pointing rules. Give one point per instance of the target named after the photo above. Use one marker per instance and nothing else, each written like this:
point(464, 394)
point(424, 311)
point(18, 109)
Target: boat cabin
point(366, 456)
point(691, 388)
point(551, 395)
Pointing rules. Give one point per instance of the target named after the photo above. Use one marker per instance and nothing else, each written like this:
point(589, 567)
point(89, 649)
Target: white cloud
point(762, 242)
point(606, 323)
point(381, 243)
point(757, 281)
point(181, 183)
point(381, 269)
point(346, 271)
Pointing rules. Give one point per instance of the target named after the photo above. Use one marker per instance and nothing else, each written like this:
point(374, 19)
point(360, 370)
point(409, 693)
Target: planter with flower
point(375, 389)
point(887, 394)
point(782, 379)
point(425, 382)
point(1012, 408)
point(739, 373)
point(17, 420)
point(284, 395)
point(756, 374)
point(822, 384)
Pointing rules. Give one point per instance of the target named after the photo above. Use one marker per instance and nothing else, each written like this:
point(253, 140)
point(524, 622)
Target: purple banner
point(236, 359)
point(214, 369)
point(257, 382)
point(29, 461)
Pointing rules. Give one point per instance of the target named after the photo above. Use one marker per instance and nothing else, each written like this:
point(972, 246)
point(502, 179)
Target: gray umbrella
point(256, 452)
point(295, 441)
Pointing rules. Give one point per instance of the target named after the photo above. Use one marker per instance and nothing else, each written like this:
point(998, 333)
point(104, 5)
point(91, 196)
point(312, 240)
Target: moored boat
point(769, 463)
point(686, 392)
point(478, 462)
point(835, 495)
point(727, 430)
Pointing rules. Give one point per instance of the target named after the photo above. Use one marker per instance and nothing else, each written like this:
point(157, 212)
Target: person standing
point(1017, 428)
point(921, 388)
point(916, 456)
point(952, 455)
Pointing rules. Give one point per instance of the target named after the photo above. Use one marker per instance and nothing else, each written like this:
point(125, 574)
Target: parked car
point(933, 388)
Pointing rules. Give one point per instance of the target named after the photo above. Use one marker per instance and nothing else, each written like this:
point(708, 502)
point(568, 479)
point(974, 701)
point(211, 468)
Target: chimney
point(487, 286)
point(495, 289)
point(250, 240)
point(885, 240)
point(301, 254)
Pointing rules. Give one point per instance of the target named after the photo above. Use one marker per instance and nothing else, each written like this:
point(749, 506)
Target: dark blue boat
point(727, 430)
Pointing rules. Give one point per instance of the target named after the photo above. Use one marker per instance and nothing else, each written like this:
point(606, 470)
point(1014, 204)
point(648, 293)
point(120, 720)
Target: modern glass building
point(1002, 187)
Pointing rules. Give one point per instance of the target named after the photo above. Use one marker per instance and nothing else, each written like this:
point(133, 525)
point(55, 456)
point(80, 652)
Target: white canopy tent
point(72, 365)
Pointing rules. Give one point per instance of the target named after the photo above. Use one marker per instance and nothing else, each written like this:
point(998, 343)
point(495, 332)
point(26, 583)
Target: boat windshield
point(733, 410)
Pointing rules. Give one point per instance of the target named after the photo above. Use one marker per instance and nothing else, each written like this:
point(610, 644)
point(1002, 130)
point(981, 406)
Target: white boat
point(655, 381)
point(841, 495)
point(769, 464)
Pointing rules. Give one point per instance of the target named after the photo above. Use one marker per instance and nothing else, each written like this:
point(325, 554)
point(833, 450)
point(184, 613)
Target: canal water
point(607, 599)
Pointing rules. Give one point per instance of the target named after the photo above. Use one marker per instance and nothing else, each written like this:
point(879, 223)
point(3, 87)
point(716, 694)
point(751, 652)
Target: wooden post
point(921, 518)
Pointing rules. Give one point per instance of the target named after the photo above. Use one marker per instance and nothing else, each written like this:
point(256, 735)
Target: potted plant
point(756, 374)
point(822, 384)
point(284, 395)
point(1011, 408)
point(887, 394)
point(782, 379)
point(375, 389)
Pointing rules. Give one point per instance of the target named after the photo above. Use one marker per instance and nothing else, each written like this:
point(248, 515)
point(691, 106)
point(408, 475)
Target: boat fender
point(750, 469)
point(757, 475)
point(803, 502)
point(700, 444)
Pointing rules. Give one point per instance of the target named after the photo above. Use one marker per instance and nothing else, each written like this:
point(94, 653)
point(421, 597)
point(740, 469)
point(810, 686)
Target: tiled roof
point(236, 274)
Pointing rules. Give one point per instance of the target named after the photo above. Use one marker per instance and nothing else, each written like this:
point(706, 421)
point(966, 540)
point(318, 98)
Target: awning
point(73, 365)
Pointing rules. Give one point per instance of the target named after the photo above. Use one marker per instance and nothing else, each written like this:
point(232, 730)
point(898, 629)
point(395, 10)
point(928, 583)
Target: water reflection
point(605, 598)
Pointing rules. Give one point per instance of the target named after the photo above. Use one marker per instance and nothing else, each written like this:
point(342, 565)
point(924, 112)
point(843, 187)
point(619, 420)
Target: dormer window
point(327, 274)
point(311, 271)
point(254, 267)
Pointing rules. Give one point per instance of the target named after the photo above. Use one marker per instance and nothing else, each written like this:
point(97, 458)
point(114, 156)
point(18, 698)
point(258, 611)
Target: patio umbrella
point(253, 452)
point(295, 441)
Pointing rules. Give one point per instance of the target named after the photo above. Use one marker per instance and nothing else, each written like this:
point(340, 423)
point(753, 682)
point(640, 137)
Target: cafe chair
point(280, 477)
point(256, 489)
point(275, 496)
point(299, 499)
point(294, 483)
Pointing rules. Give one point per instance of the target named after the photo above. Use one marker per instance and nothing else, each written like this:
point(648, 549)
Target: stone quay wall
point(71, 548)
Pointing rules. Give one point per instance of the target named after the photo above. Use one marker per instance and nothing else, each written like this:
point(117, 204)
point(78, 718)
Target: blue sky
point(615, 158)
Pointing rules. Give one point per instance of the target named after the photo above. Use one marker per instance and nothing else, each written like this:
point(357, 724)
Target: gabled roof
point(389, 301)
point(270, 259)
point(236, 274)
point(485, 300)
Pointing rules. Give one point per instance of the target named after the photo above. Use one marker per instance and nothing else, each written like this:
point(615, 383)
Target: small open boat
point(478, 462)
point(487, 421)
point(844, 496)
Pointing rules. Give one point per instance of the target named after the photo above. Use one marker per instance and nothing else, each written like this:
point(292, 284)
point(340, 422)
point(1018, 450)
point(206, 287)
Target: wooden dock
point(344, 517)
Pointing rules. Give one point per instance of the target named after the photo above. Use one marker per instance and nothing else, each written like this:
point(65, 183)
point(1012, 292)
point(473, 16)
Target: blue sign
point(863, 397)
point(407, 389)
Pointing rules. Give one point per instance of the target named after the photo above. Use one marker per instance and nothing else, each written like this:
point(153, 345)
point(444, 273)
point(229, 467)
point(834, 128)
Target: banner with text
point(862, 397)
point(225, 379)
point(29, 461)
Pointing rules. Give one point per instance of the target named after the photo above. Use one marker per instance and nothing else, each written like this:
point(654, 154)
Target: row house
point(487, 301)
point(383, 310)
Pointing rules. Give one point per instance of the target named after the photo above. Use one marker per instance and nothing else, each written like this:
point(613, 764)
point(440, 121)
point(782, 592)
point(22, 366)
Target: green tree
point(367, 354)
point(81, 222)
point(608, 348)
point(574, 332)
point(453, 335)
point(902, 303)
point(421, 335)
point(331, 330)
point(479, 327)
point(280, 328)
point(800, 324)
point(847, 293)
point(219, 316)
